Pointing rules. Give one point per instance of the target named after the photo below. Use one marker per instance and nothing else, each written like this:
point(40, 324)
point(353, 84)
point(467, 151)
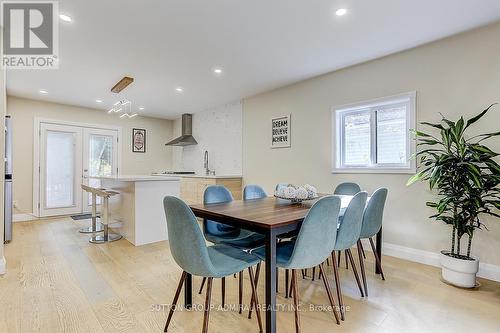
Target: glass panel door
point(60, 169)
point(99, 158)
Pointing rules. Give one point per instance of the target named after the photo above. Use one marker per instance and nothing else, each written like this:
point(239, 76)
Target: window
point(374, 136)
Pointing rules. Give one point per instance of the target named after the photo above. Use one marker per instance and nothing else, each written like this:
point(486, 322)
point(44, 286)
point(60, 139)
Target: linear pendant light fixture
point(122, 84)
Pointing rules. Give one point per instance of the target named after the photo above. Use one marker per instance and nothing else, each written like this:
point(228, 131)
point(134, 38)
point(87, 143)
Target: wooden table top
point(265, 213)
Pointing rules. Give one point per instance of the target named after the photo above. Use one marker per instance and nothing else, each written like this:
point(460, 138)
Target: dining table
point(271, 217)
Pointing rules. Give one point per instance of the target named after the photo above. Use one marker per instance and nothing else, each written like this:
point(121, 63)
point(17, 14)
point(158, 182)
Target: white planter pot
point(459, 272)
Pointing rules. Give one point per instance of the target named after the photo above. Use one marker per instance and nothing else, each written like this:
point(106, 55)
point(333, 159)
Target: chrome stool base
point(100, 239)
point(99, 227)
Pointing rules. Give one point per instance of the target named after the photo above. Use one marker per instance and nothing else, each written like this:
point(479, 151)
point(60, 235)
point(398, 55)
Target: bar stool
point(106, 236)
point(95, 226)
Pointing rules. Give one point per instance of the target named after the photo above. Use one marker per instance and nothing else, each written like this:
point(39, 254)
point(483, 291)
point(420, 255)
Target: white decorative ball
point(301, 193)
point(311, 191)
point(290, 192)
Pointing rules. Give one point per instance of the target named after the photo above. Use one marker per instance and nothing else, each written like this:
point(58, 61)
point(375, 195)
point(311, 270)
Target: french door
point(68, 156)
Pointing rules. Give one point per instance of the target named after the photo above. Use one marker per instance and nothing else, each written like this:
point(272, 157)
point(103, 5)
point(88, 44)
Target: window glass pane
point(391, 135)
point(357, 138)
point(60, 168)
point(100, 160)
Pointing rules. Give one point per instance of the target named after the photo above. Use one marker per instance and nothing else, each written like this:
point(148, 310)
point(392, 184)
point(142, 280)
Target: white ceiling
point(260, 44)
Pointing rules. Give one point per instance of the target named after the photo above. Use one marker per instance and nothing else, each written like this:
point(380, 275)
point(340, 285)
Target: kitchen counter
point(137, 211)
point(139, 178)
point(198, 176)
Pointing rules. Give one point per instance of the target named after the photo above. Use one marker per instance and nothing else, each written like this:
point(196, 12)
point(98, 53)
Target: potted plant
point(466, 177)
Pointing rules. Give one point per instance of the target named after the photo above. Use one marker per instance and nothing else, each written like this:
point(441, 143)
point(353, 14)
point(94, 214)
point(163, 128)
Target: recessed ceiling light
point(43, 91)
point(217, 71)
point(65, 18)
point(179, 89)
point(341, 12)
point(141, 108)
point(98, 100)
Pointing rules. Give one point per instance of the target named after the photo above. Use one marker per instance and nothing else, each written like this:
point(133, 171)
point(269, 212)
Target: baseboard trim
point(23, 217)
point(486, 271)
point(3, 266)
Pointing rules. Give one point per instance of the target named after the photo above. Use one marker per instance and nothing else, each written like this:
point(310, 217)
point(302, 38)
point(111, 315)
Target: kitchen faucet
point(205, 163)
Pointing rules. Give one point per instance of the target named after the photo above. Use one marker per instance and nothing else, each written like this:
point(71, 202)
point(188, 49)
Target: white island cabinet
point(137, 212)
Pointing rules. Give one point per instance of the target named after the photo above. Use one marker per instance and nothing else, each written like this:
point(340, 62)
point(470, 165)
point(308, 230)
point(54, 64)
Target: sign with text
point(280, 137)
point(30, 38)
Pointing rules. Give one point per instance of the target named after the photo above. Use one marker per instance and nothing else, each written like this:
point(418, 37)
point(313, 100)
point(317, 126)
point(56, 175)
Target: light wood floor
point(58, 282)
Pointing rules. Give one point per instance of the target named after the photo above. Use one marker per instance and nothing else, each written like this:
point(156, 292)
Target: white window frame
point(338, 114)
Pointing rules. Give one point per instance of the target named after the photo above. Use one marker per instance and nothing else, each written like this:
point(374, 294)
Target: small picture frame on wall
point(138, 140)
point(280, 132)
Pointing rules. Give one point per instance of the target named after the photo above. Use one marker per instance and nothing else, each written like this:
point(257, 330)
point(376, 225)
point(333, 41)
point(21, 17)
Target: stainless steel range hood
point(186, 138)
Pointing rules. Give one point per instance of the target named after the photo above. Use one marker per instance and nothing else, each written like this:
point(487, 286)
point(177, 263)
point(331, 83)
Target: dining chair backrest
point(316, 238)
point(347, 189)
point(373, 215)
point(185, 239)
point(280, 186)
point(253, 192)
point(217, 194)
point(350, 228)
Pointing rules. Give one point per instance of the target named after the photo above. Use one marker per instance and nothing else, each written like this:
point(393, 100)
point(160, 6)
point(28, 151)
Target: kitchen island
point(137, 212)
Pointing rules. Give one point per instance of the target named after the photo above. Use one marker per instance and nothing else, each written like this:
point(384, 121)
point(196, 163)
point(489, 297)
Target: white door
point(100, 158)
point(69, 155)
point(60, 169)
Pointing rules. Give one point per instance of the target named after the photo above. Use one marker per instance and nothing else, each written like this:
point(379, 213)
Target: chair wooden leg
point(223, 291)
point(362, 267)
point(240, 292)
point(339, 253)
point(329, 293)
point(346, 261)
point(257, 273)
point(327, 262)
point(314, 272)
point(206, 315)
point(290, 292)
point(202, 285)
point(287, 273)
point(355, 271)
point(296, 301)
point(360, 246)
point(377, 259)
point(255, 297)
point(174, 303)
point(304, 273)
point(338, 287)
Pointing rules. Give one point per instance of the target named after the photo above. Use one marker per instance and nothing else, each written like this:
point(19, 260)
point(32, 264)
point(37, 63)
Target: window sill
point(409, 171)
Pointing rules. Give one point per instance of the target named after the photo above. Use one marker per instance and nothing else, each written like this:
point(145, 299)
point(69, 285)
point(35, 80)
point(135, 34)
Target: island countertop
point(138, 178)
point(198, 176)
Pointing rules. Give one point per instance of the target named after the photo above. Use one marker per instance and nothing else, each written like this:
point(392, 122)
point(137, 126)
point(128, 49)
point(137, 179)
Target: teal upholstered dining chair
point(347, 235)
point(219, 233)
point(372, 222)
point(191, 253)
point(347, 189)
point(313, 245)
point(253, 192)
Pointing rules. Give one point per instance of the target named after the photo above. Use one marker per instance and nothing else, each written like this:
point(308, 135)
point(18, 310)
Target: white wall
point(23, 111)
point(456, 76)
point(217, 130)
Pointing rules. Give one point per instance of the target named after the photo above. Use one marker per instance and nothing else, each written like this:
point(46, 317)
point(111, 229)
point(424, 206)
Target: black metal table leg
point(378, 241)
point(270, 306)
point(188, 291)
